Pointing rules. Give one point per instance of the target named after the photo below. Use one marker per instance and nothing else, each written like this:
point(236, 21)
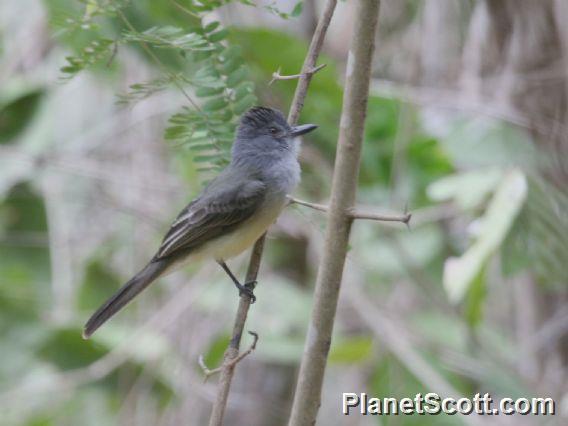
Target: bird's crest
point(260, 116)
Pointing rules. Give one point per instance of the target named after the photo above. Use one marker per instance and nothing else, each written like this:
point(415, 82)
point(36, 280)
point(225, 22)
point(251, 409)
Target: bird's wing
point(211, 215)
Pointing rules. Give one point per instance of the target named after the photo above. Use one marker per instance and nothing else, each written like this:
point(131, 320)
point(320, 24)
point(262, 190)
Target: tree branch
point(307, 398)
point(231, 364)
point(356, 213)
point(232, 351)
point(277, 76)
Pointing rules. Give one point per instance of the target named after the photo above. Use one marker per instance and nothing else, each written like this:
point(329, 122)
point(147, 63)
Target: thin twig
point(185, 10)
point(112, 54)
point(277, 76)
point(356, 213)
point(229, 364)
point(315, 206)
point(254, 264)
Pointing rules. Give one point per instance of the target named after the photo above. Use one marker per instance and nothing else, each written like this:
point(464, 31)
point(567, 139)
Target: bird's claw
point(248, 290)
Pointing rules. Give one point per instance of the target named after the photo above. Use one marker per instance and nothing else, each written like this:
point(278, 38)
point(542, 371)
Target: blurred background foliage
point(114, 113)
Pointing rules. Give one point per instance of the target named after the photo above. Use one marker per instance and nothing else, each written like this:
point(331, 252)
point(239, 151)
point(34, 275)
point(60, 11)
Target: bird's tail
point(123, 296)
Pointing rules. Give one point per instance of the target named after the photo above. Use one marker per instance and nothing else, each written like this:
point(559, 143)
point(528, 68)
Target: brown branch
point(310, 62)
point(230, 364)
point(355, 213)
point(232, 351)
point(315, 206)
point(307, 398)
point(358, 214)
point(277, 76)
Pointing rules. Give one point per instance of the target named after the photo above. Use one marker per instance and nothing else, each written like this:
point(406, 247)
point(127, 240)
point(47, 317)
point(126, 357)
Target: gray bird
point(231, 213)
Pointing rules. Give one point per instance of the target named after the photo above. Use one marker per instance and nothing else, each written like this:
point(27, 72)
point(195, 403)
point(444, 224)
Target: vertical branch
point(344, 187)
point(232, 351)
point(310, 63)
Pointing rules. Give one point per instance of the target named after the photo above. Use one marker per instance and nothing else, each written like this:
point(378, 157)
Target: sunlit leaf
point(467, 189)
point(297, 11)
point(459, 272)
point(351, 350)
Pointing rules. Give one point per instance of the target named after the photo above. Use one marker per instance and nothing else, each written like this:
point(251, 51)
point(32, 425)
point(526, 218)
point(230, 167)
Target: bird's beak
point(302, 130)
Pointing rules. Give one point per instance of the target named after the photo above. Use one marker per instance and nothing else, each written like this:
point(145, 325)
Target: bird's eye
point(273, 130)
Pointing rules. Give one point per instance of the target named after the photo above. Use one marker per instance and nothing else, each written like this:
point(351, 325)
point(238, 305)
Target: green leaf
point(141, 91)
point(219, 35)
point(169, 38)
point(200, 146)
point(211, 26)
point(203, 92)
point(244, 104)
point(475, 298)
point(243, 89)
point(16, 113)
point(460, 273)
point(231, 65)
point(479, 185)
point(99, 282)
point(483, 142)
point(214, 356)
point(210, 82)
point(67, 350)
point(90, 55)
point(351, 350)
point(206, 158)
point(236, 77)
point(297, 11)
point(175, 132)
point(206, 73)
point(215, 104)
point(196, 139)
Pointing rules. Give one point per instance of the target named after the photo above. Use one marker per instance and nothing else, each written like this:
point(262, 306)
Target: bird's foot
point(248, 290)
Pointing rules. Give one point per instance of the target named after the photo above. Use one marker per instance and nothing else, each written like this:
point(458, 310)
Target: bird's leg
point(247, 288)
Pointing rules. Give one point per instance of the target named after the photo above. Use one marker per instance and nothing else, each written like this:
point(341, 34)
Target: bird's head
point(265, 130)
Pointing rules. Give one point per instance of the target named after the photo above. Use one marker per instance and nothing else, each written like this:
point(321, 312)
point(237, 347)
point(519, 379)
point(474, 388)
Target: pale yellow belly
point(242, 238)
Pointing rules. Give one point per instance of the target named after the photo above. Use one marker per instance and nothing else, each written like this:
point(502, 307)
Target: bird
point(231, 212)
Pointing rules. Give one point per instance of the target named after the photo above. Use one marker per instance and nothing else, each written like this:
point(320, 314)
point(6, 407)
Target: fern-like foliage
point(221, 83)
point(213, 78)
point(140, 91)
point(168, 38)
point(91, 54)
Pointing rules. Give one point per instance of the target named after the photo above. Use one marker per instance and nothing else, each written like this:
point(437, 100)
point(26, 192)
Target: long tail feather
point(123, 296)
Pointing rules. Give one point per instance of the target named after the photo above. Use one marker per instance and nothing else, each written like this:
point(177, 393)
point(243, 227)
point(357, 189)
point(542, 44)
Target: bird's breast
point(283, 176)
point(245, 235)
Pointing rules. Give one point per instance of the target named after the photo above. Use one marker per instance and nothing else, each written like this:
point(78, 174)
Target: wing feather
point(211, 216)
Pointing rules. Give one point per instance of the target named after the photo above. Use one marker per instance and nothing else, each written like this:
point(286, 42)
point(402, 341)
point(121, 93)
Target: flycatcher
point(233, 210)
